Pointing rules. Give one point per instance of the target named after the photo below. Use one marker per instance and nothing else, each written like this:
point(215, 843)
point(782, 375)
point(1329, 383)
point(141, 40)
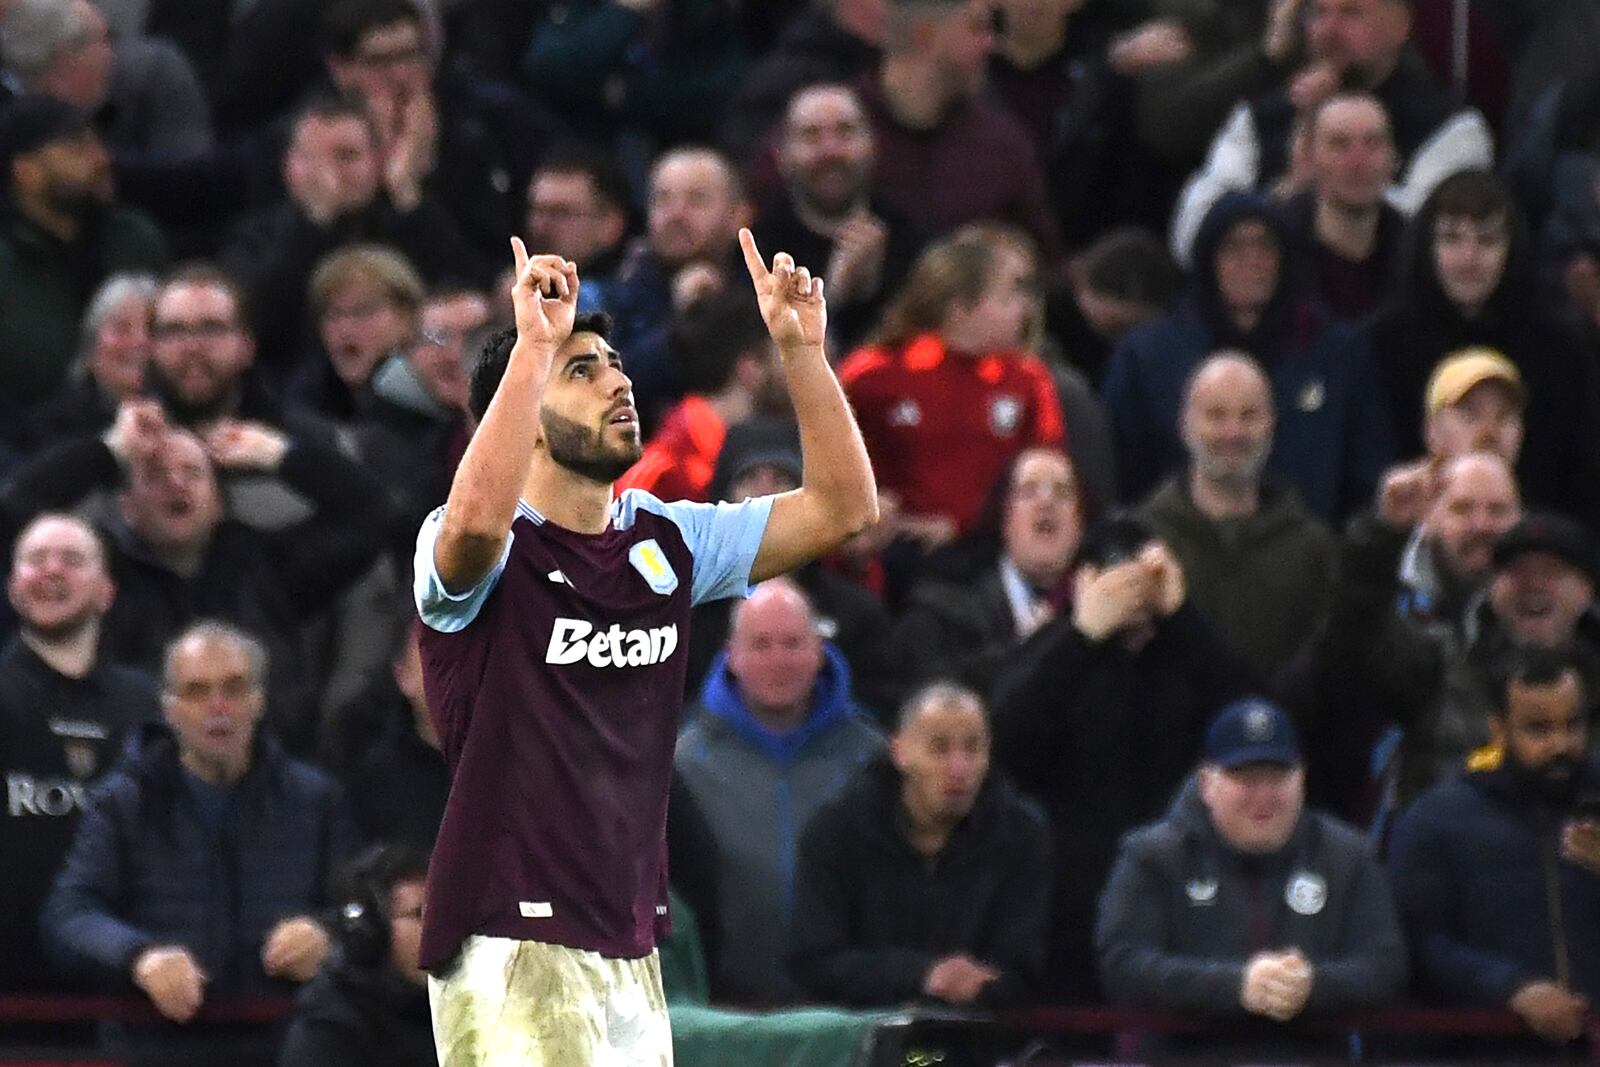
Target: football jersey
point(556, 686)
point(941, 428)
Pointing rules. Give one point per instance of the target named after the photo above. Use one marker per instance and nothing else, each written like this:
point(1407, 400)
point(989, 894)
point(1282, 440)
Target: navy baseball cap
point(1251, 730)
point(1546, 531)
point(34, 120)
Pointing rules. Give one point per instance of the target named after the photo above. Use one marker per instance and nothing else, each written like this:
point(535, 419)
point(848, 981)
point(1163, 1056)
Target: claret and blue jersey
point(556, 685)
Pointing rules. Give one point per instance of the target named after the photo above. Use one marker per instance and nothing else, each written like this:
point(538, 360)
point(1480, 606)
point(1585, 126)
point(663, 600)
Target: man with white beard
point(63, 713)
point(1259, 566)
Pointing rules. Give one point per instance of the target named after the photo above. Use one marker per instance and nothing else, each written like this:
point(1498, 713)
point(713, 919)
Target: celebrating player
point(553, 657)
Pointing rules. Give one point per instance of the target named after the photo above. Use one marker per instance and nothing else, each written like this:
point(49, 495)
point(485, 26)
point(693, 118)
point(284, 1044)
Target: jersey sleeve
point(723, 539)
point(439, 608)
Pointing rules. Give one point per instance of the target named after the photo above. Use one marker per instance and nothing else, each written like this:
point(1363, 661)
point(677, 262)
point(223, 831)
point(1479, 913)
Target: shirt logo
point(535, 909)
point(1312, 396)
point(1005, 415)
point(574, 640)
point(648, 559)
point(905, 413)
point(1307, 893)
point(1201, 891)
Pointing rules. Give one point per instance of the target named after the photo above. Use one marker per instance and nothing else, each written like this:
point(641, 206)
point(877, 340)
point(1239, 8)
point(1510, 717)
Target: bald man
point(773, 737)
point(1260, 567)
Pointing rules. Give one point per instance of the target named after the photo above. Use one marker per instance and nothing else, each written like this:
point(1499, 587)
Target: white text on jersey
point(573, 640)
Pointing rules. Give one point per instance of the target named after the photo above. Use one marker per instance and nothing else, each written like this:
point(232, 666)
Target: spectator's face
point(1227, 423)
point(1247, 265)
point(1000, 317)
point(568, 217)
point(962, 42)
point(440, 355)
point(1254, 808)
point(212, 700)
point(389, 61)
point(71, 175)
point(58, 582)
point(1110, 316)
point(774, 653)
point(173, 501)
point(81, 72)
point(1487, 419)
point(1362, 35)
point(201, 349)
point(1540, 597)
point(360, 325)
point(405, 930)
point(587, 417)
point(1476, 506)
point(1043, 515)
point(826, 155)
point(694, 211)
point(1544, 730)
point(1352, 153)
point(1470, 256)
point(339, 149)
point(942, 754)
point(122, 348)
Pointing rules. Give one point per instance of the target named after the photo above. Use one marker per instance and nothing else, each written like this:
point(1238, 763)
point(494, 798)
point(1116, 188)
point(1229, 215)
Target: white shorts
point(531, 1004)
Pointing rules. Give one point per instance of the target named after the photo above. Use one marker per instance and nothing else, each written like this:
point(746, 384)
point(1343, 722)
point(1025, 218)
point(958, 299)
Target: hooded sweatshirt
point(757, 789)
point(1333, 433)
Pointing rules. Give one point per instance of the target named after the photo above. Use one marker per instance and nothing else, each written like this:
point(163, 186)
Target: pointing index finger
point(520, 252)
point(752, 255)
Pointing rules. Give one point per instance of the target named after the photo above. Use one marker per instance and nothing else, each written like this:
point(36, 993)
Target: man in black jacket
point(929, 878)
point(1240, 904)
point(64, 712)
point(176, 556)
point(368, 1005)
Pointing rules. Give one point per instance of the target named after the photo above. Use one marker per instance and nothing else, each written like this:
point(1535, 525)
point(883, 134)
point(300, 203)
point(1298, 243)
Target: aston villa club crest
point(1307, 893)
point(648, 559)
point(1005, 415)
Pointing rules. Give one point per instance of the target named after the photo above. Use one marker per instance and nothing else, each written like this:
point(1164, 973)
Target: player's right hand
point(544, 295)
point(172, 980)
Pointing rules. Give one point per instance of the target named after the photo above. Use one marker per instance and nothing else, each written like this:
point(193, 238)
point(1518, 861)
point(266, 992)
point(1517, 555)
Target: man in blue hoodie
point(774, 736)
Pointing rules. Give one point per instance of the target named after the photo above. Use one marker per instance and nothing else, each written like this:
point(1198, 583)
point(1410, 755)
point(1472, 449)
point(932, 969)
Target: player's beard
point(584, 452)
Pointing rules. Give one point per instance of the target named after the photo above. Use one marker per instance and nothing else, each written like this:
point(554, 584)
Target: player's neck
point(567, 499)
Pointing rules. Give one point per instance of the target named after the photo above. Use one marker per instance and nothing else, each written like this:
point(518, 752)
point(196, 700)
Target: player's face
point(943, 758)
point(1255, 807)
point(58, 577)
point(587, 415)
point(213, 701)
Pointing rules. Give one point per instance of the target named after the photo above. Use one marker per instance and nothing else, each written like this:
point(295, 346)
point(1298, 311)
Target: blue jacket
point(145, 868)
point(757, 790)
point(1333, 437)
point(1486, 898)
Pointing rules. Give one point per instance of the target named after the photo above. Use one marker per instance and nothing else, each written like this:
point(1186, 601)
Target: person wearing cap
point(1497, 872)
point(1099, 718)
point(1469, 279)
point(730, 370)
point(61, 235)
point(1474, 403)
point(1240, 904)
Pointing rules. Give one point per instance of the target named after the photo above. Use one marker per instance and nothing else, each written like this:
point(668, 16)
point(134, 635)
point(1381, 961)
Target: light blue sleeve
point(439, 608)
point(723, 538)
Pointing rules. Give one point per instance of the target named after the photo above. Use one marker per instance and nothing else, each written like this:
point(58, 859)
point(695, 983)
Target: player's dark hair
point(344, 24)
point(1540, 668)
point(711, 335)
point(496, 355)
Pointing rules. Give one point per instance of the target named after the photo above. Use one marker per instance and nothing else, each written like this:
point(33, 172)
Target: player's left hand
point(294, 949)
point(790, 298)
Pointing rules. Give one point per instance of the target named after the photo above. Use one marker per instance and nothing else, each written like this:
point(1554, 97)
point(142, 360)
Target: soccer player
point(553, 662)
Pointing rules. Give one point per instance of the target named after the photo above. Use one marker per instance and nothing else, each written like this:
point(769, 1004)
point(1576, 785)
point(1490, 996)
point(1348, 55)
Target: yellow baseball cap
point(1464, 369)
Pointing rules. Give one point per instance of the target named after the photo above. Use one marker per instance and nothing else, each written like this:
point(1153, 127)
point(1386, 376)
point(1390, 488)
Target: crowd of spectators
point(1230, 370)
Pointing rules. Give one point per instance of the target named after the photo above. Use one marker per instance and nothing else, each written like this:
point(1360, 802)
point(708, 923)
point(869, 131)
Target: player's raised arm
point(483, 496)
point(837, 497)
